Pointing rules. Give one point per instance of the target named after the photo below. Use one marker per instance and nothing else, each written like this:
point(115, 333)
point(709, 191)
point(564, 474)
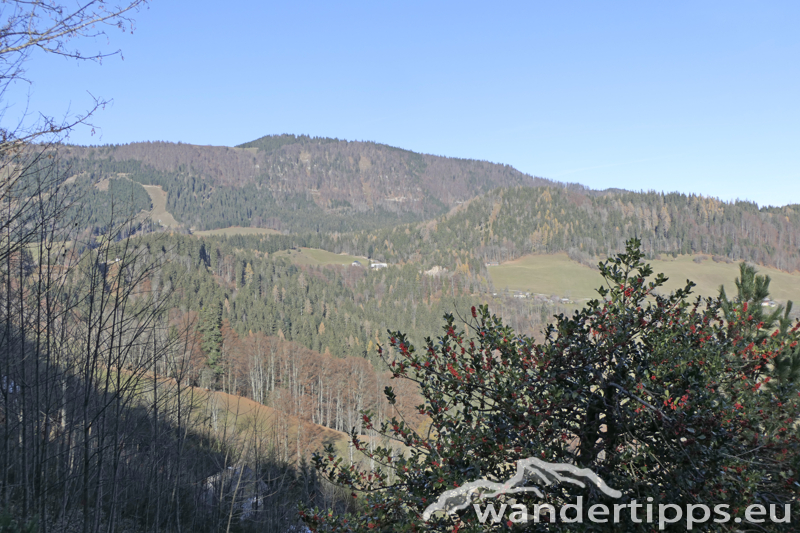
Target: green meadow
point(547, 274)
point(558, 275)
point(316, 257)
point(709, 275)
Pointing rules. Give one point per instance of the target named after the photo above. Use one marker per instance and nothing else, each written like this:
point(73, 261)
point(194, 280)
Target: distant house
point(355, 264)
point(378, 266)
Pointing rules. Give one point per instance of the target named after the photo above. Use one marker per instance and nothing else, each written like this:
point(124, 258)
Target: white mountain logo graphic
point(530, 470)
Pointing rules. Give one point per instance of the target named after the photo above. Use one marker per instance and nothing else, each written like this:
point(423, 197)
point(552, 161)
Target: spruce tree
point(211, 330)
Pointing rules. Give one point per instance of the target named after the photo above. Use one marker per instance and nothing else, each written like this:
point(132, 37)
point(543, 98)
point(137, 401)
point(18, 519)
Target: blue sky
point(698, 97)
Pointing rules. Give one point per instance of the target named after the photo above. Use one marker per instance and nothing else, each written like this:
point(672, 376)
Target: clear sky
point(698, 97)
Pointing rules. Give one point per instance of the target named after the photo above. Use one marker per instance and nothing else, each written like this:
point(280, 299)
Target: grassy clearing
point(316, 257)
point(558, 275)
point(159, 212)
point(547, 274)
point(57, 248)
point(709, 275)
point(236, 230)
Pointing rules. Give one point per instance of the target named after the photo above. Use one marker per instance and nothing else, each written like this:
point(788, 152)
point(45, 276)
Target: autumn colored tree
point(663, 397)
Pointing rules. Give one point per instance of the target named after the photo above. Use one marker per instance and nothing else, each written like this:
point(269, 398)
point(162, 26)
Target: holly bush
point(667, 398)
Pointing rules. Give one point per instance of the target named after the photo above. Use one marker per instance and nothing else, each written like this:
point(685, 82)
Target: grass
point(547, 274)
point(159, 212)
point(316, 257)
point(57, 248)
point(560, 276)
point(236, 230)
point(709, 275)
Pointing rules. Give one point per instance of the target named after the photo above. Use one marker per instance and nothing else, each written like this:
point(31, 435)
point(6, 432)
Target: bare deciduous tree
point(53, 27)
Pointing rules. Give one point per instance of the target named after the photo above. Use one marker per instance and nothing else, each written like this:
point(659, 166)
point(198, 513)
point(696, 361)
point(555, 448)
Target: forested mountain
point(296, 183)
point(401, 206)
point(336, 357)
point(510, 222)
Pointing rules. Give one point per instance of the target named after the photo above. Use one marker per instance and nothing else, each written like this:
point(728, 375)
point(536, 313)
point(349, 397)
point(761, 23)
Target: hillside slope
point(297, 183)
point(545, 275)
point(509, 223)
point(371, 199)
point(246, 421)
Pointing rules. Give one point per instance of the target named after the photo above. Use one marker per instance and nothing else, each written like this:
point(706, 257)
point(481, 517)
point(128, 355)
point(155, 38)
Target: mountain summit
point(273, 179)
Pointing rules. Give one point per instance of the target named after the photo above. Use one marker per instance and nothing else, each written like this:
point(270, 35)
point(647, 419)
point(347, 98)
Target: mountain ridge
point(352, 177)
point(402, 204)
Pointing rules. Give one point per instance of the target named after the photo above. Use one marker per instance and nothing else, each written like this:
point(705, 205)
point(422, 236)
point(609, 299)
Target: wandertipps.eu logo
point(531, 474)
point(534, 473)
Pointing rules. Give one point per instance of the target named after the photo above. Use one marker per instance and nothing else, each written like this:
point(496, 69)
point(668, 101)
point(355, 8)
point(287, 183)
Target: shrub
point(683, 401)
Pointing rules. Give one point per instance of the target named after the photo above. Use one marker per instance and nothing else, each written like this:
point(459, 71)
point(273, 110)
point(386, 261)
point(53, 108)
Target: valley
point(269, 281)
point(465, 297)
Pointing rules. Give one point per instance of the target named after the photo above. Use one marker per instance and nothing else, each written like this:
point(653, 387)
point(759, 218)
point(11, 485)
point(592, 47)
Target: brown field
point(250, 421)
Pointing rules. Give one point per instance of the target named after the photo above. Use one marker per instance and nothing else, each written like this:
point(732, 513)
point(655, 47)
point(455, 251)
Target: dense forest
point(335, 311)
point(139, 340)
